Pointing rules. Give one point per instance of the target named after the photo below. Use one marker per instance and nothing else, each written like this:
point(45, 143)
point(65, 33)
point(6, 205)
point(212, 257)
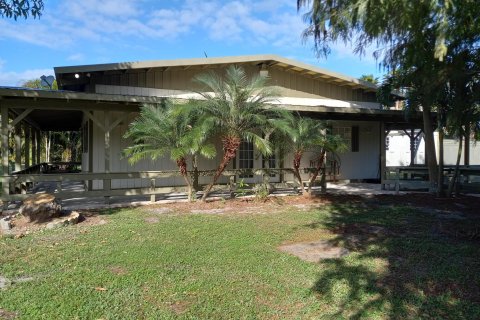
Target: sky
point(76, 32)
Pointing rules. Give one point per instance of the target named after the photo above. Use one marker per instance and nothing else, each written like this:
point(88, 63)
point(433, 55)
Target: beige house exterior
point(103, 99)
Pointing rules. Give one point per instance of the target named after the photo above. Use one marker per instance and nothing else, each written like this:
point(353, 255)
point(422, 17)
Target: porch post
point(412, 147)
point(27, 145)
point(107, 183)
point(34, 146)
point(90, 152)
point(383, 160)
point(4, 142)
point(18, 147)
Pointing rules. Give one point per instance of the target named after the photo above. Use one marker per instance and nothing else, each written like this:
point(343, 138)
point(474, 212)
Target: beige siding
point(291, 83)
point(363, 164)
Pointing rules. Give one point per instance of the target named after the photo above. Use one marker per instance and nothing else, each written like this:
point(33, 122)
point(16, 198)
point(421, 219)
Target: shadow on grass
point(403, 264)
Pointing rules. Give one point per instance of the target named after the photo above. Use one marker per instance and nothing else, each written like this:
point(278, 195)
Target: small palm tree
point(306, 135)
point(159, 130)
point(235, 107)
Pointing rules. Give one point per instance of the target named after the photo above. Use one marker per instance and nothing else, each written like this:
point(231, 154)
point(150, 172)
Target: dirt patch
point(7, 315)
point(159, 210)
point(120, 271)
point(179, 307)
point(152, 220)
point(314, 251)
point(211, 211)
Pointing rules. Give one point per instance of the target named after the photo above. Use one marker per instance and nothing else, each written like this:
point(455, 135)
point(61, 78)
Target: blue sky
point(73, 32)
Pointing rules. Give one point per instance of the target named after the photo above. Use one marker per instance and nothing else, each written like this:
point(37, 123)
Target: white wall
point(398, 153)
point(450, 150)
point(363, 164)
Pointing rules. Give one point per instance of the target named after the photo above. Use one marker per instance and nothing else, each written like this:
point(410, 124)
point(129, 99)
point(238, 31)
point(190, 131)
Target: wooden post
point(18, 147)
point(39, 145)
point(107, 183)
point(34, 146)
point(383, 160)
point(90, 152)
point(412, 147)
point(28, 137)
point(152, 189)
point(4, 142)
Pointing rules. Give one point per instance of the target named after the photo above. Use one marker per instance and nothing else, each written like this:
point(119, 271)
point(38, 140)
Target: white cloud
point(76, 57)
point(13, 78)
point(258, 22)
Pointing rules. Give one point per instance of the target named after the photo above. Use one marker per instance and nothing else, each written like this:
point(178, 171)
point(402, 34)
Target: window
point(355, 139)
point(245, 157)
point(345, 133)
point(269, 162)
point(350, 135)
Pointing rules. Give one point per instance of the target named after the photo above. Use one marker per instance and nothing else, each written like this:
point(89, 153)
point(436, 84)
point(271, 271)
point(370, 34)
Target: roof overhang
point(63, 110)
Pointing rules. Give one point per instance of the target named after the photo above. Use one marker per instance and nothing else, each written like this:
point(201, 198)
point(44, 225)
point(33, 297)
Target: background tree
point(159, 130)
point(369, 78)
point(235, 107)
point(414, 38)
point(21, 8)
point(57, 145)
point(37, 84)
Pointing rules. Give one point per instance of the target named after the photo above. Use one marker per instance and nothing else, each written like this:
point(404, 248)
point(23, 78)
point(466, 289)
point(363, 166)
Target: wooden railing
point(107, 190)
point(416, 177)
point(51, 167)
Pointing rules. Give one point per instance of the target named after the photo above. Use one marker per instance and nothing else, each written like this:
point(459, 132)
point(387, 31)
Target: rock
point(72, 218)
point(4, 282)
point(5, 224)
point(40, 208)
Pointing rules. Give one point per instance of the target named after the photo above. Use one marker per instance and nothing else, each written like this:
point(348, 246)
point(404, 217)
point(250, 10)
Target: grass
point(188, 266)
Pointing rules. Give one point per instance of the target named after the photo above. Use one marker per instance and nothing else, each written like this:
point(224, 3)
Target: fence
point(31, 177)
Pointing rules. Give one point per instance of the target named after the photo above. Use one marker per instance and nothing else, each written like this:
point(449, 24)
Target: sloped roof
point(269, 60)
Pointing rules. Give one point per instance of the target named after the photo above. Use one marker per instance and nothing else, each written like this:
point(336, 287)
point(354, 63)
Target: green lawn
point(403, 264)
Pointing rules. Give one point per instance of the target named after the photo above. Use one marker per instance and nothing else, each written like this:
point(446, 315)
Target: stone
point(72, 218)
point(4, 282)
point(40, 208)
point(5, 224)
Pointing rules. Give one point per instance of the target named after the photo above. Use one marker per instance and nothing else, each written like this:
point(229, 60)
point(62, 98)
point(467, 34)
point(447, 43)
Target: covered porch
point(39, 111)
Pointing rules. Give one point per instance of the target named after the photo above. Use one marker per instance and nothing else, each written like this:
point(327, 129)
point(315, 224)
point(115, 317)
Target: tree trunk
point(316, 172)
point(430, 148)
point(182, 166)
point(230, 147)
point(196, 186)
point(440, 188)
point(452, 183)
point(297, 158)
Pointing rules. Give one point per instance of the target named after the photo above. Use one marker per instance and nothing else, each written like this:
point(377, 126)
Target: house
point(103, 99)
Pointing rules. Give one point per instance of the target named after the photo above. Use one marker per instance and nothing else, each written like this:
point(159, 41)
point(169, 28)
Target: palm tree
point(158, 130)
point(235, 107)
point(307, 135)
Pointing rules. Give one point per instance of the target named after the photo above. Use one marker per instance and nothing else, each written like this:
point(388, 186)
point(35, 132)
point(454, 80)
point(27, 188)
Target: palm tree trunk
point(297, 158)
point(230, 147)
point(316, 172)
point(452, 183)
point(182, 166)
point(430, 147)
point(195, 182)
